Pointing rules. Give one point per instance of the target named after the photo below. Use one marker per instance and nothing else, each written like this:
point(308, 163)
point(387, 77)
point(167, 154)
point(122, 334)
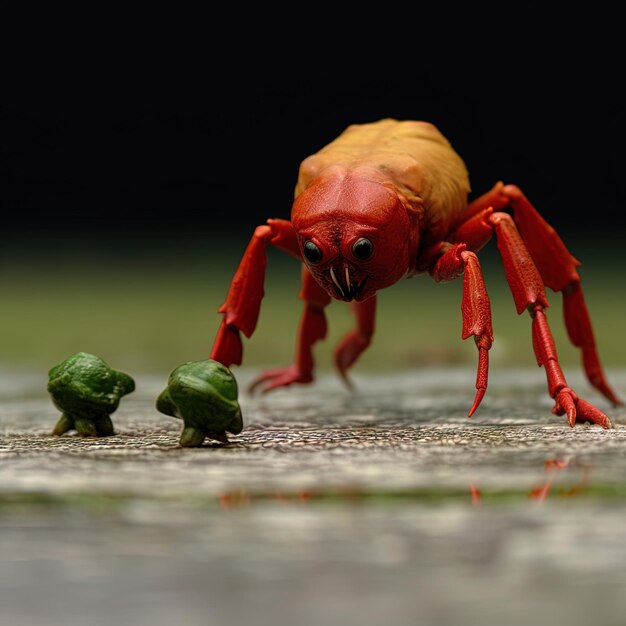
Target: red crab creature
point(388, 200)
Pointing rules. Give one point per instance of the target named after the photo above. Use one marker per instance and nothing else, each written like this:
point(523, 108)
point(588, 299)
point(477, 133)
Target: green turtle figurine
point(204, 395)
point(87, 391)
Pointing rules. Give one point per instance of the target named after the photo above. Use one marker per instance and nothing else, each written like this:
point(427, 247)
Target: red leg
point(494, 199)
point(558, 271)
point(243, 301)
point(312, 329)
point(475, 306)
point(355, 342)
point(528, 293)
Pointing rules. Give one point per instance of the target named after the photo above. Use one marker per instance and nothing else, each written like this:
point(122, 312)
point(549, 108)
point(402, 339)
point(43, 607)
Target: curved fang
point(332, 275)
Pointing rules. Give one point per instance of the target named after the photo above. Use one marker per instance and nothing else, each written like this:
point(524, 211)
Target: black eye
point(362, 248)
point(312, 253)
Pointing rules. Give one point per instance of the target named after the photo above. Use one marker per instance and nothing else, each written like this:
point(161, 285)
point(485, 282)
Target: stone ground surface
point(387, 506)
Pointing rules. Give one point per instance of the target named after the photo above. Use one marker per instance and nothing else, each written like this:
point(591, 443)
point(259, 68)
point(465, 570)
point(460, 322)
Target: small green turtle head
point(204, 395)
point(84, 385)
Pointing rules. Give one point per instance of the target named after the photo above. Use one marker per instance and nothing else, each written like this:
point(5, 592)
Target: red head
point(354, 234)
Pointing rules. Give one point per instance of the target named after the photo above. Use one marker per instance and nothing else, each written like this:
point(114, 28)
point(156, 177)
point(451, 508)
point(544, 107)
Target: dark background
point(139, 163)
point(208, 155)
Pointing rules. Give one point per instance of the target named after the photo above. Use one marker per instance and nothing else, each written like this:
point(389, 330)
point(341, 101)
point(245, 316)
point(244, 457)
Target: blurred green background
point(147, 305)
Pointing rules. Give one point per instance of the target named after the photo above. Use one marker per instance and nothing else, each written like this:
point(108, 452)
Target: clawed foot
point(348, 351)
point(578, 410)
point(599, 382)
point(281, 377)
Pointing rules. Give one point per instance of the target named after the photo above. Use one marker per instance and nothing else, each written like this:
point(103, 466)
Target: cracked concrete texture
point(388, 504)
